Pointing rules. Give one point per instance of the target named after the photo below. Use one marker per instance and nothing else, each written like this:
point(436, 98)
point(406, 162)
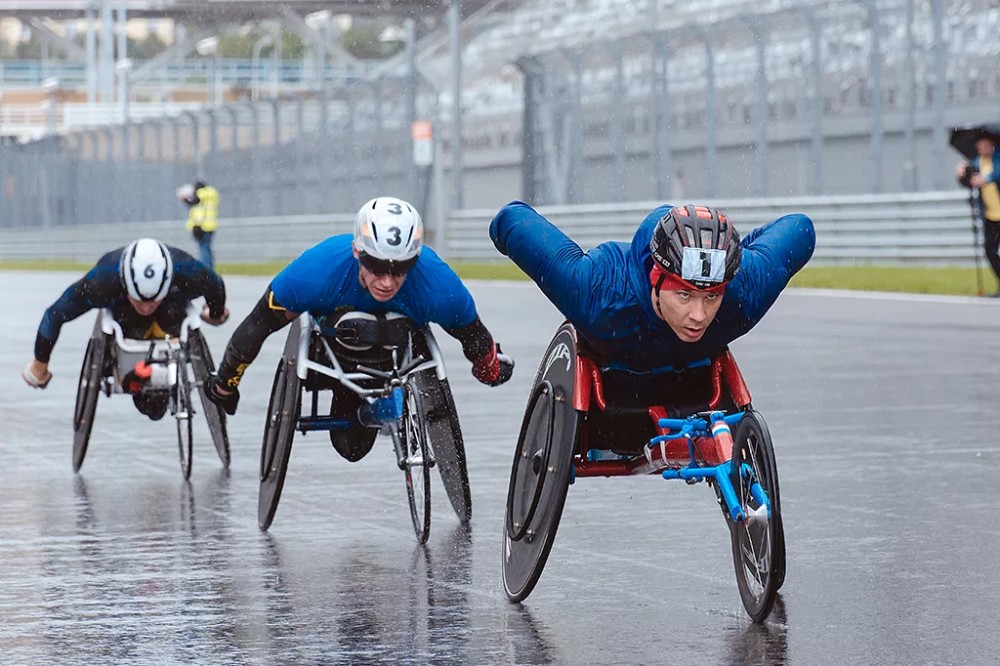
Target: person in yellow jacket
point(203, 216)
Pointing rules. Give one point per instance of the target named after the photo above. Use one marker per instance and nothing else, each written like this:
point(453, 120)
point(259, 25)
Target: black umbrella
point(963, 139)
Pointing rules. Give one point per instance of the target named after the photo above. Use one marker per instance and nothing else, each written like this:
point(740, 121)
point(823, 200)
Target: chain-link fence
point(797, 98)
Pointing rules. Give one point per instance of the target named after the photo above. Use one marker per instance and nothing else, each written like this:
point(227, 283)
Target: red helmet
point(697, 245)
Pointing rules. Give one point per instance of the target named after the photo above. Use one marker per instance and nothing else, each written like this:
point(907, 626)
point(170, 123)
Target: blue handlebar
point(698, 425)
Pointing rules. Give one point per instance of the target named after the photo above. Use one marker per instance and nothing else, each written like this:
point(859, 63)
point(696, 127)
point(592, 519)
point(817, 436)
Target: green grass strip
point(920, 280)
point(952, 280)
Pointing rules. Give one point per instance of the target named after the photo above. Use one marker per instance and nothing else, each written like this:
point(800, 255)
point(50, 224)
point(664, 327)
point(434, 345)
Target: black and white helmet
point(388, 235)
point(146, 270)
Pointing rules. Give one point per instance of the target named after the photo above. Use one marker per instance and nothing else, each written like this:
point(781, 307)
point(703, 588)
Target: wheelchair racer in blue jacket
point(147, 285)
point(383, 267)
point(653, 312)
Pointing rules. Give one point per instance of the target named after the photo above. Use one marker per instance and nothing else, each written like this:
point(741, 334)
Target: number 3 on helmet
point(388, 235)
point(146, 270)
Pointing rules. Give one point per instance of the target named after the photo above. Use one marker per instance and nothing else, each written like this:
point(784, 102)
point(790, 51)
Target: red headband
point(661, 279)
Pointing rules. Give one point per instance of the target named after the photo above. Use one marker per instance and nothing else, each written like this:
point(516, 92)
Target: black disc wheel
point(184, 414)
point(758, 542)
point(543, 464)
point(416, 461)
point(204, 366)
point(87, 391)
point(446, 443)
point(279, 430)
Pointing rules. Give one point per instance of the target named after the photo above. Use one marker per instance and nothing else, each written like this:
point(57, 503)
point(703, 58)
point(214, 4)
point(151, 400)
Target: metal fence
point(804, 98)
point(927, 228)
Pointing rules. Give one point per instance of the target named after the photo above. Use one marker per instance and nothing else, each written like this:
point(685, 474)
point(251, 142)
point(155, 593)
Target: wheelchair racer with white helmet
point(147, 286)
point(383, 267)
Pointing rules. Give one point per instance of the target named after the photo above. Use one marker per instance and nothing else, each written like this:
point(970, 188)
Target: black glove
point(227, 402)
point(506, 366)
point(198, 233)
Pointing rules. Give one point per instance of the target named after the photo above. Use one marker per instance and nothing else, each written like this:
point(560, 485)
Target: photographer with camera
point(981, 175)
point(202, 201)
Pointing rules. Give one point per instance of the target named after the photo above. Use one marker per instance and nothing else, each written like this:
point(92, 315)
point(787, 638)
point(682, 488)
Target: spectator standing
point(202, 201)
point(981, 174)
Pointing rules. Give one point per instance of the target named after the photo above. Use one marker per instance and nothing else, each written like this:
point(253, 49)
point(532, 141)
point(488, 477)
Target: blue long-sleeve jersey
point(324, 279)
point(606, 294)
point(101, 287)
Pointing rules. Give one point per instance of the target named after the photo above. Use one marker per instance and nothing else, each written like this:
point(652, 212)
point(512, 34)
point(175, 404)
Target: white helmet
point(146, 270)
point(388, 235)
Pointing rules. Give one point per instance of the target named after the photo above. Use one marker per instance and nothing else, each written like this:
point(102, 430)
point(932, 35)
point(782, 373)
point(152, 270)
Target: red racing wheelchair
point(575, 426)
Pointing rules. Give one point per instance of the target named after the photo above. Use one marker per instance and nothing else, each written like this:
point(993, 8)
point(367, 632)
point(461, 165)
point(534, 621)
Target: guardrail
point(929, 227)
point(924, 228)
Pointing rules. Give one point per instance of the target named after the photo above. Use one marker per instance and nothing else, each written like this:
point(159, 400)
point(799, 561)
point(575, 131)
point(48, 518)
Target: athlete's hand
point(225, 398)
point(36, 374)
point(494, 368)
point(206, 316)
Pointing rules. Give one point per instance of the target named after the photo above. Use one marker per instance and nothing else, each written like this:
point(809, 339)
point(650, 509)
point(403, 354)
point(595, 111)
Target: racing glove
point(29, 376)
point(494, 368)
point(136, 378)
point(227, 402)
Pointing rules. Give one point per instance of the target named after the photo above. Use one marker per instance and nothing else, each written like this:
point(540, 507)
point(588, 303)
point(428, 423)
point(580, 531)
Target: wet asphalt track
point(884, 416)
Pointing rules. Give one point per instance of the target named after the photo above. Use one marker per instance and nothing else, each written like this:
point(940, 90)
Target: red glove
point(494, 368)
point(136, 378)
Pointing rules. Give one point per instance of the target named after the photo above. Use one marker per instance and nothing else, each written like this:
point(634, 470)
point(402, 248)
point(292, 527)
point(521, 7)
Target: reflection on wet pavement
point(890, 519)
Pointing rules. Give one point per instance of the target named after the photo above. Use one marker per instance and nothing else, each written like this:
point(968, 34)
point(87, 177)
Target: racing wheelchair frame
point(730, 450)
point(411, 402)
point(180, 364)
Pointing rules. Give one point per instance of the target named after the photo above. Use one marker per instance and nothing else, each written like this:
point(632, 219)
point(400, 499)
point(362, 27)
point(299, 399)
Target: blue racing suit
point(101, 287)
point(606, 294)
point(324, 278)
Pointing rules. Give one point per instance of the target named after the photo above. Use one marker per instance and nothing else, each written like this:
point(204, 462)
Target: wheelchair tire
point(418, 476)
point(184, 414)
point(87, 391)
point(446, 442)
point(279, 429)
point(203, 365)
point(758, 550)
point(542, 468)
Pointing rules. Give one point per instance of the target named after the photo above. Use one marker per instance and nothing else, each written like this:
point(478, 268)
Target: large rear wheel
point(758, 542)
point(446, 442)
point(87, 391)
point(184, 414)
point(416, 461)
point(279, 430)
point(543, 464)
point(204, 367)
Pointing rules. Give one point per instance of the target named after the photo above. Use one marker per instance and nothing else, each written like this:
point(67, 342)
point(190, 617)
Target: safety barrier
point(930, 227)
point(924, 228)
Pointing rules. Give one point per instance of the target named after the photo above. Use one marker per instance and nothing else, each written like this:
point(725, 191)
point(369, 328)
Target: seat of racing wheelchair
point(361, 339)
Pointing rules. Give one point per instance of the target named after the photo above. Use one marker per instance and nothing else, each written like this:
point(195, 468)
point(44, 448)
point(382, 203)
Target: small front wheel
point(416, 461)
point(758, 542)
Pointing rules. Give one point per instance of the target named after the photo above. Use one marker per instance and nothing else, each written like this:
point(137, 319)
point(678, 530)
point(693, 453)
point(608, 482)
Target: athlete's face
point(687, 312)
point(381, 287)
point(144, 308)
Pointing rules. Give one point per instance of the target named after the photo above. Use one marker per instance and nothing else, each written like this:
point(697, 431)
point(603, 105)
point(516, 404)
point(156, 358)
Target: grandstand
point(624, 99)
